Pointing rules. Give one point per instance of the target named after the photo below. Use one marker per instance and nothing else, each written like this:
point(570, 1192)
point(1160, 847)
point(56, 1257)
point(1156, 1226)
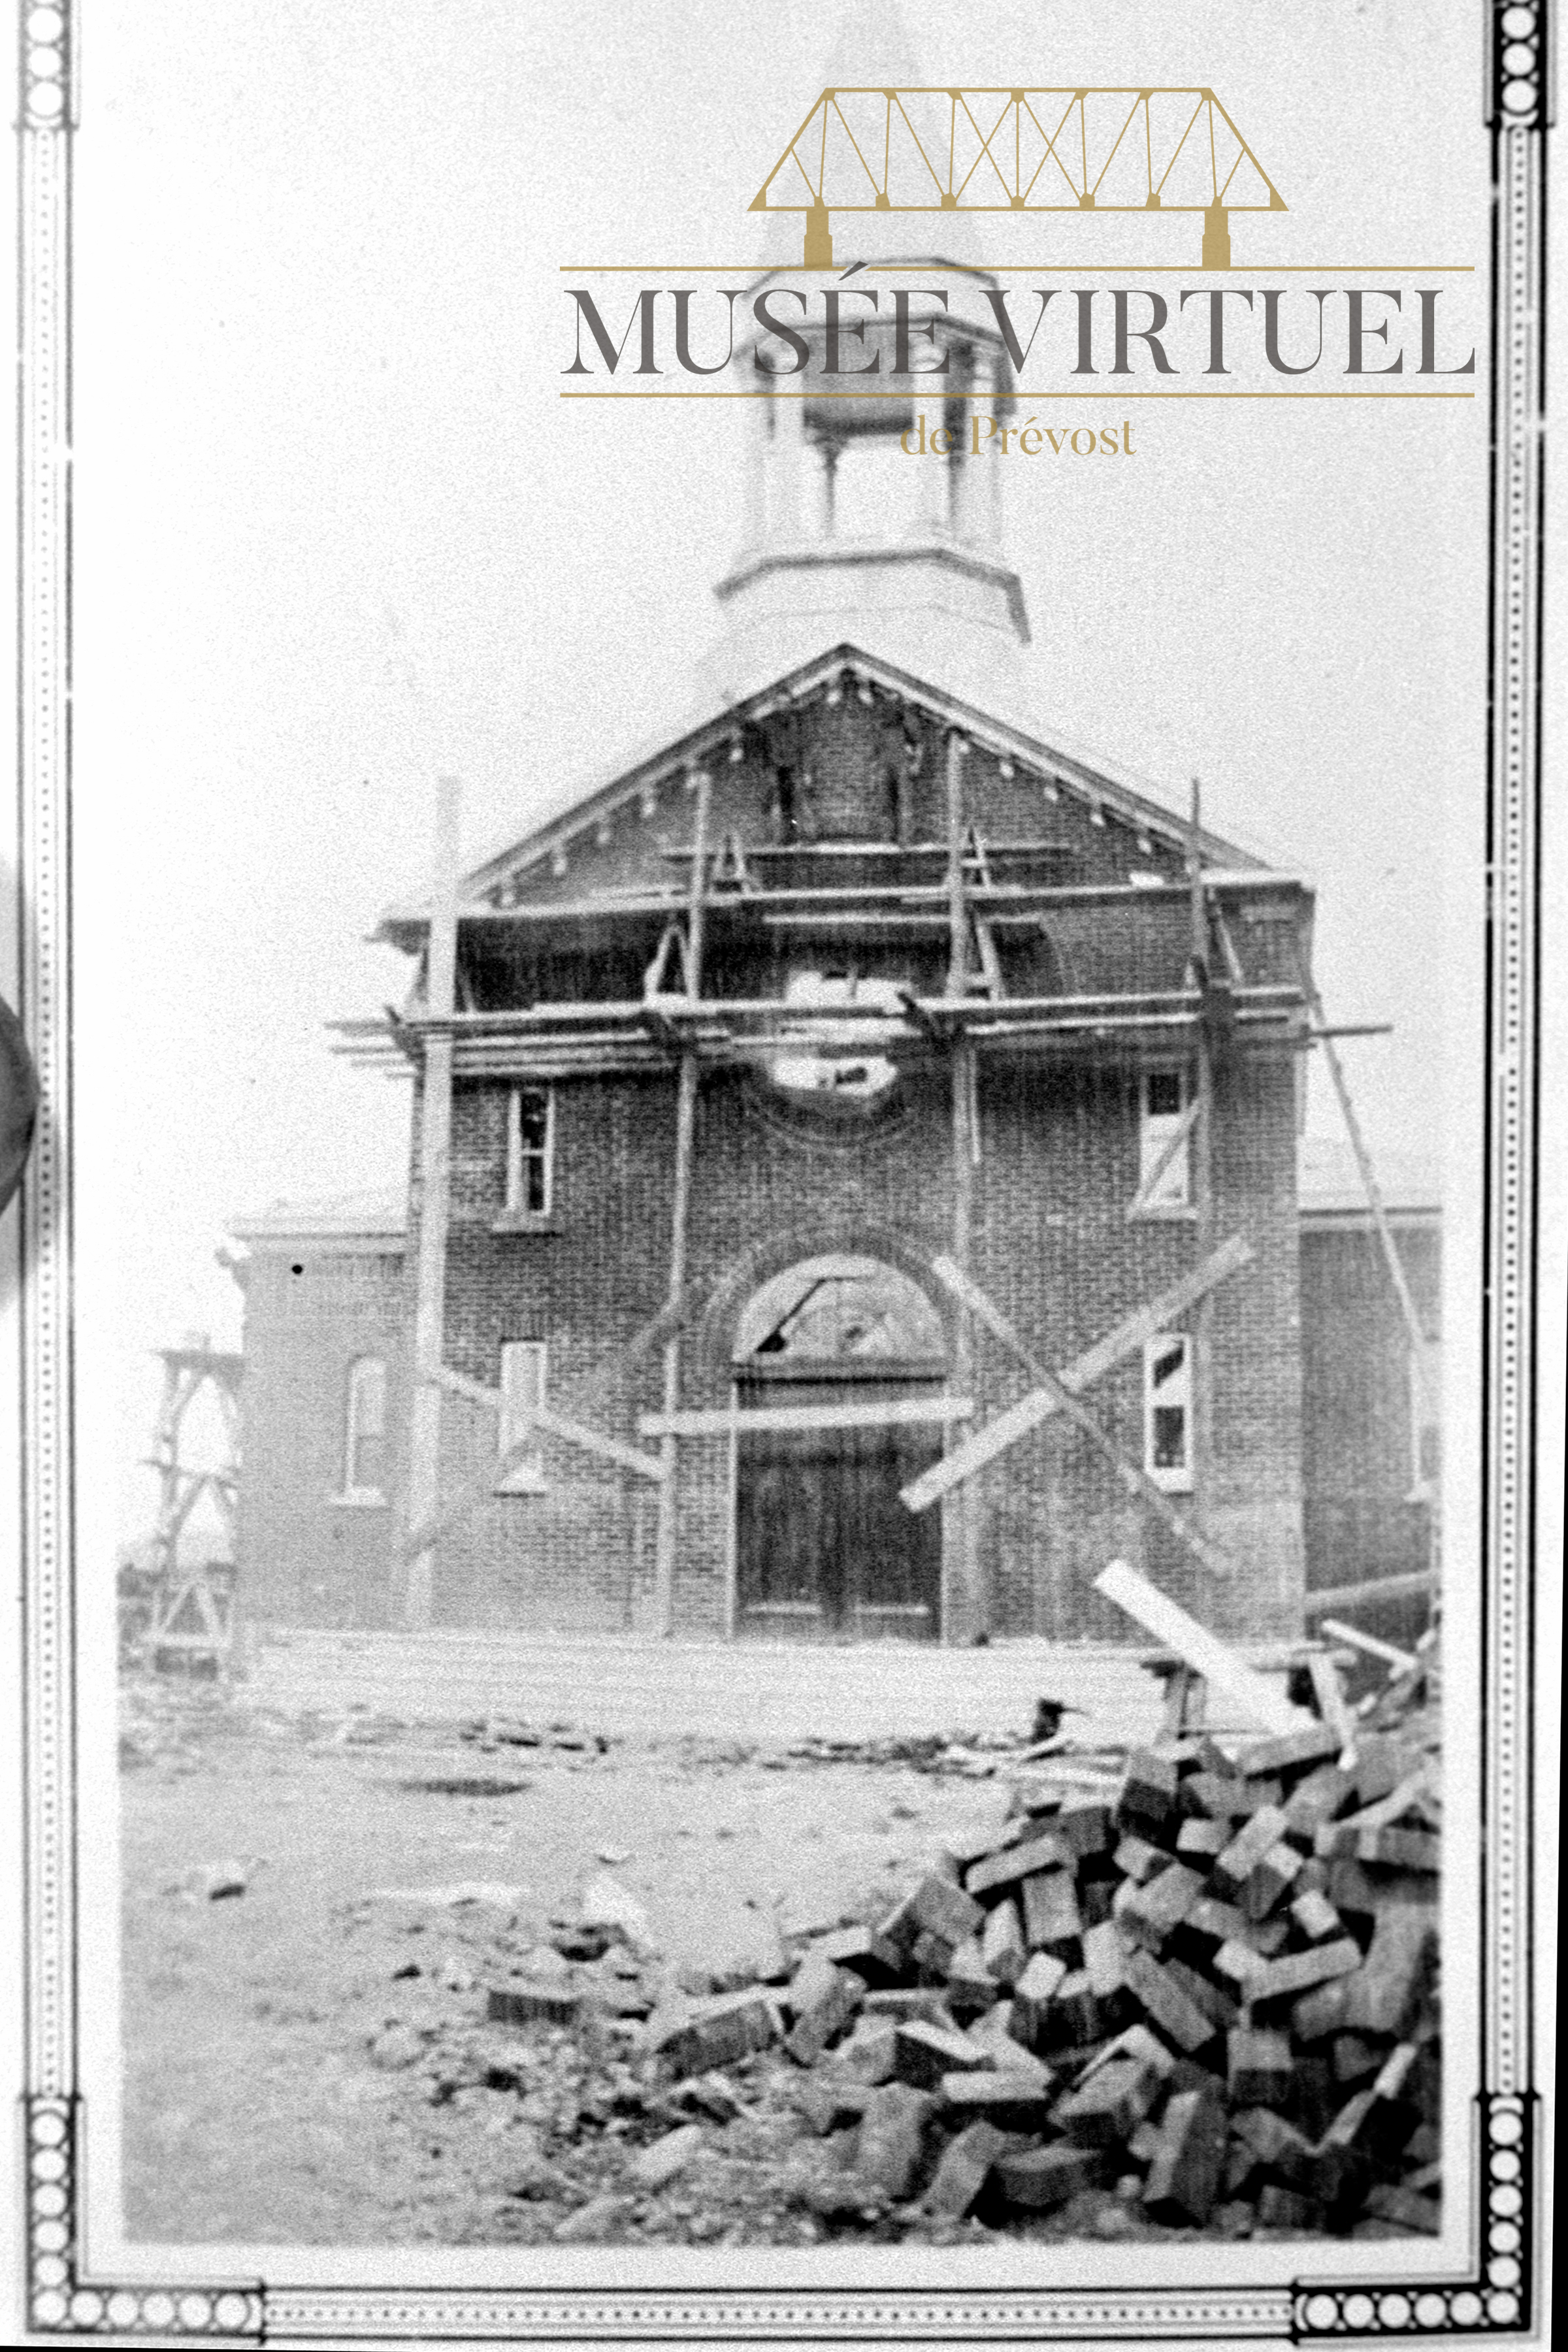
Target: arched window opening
point(841, 1310)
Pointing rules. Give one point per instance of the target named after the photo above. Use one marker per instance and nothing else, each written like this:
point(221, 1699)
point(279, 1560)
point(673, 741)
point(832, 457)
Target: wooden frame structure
point(192, 1613)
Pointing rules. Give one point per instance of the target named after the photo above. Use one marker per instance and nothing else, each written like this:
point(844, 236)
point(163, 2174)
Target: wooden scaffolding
point(961, 892)
point(192, 1616)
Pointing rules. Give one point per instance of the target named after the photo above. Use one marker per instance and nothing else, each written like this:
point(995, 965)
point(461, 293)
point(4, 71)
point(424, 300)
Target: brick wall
point(1056, 1250)
point(305, 1556)
point(1051, 1243)
point(579, 1554)
point(1362, 1519)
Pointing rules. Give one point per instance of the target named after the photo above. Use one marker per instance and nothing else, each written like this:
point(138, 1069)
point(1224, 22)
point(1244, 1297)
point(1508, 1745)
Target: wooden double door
point(825, 1550)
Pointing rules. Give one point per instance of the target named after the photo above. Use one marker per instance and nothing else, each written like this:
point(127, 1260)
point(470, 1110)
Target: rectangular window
point(364, 1432)
point(1165, 1140)
point(530, 1140)
point(522, 1388)
point(1425, 1378)
point(1167, 1412)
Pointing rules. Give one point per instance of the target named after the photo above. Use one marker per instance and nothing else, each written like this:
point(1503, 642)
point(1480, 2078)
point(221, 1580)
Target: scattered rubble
point(493, 1732)
point(1189, 1988)
point(465, 1784)
point(168, 1721)
point(397, 2046)
point(972, 1755)
point(1194, 1988)
point(223, 1879)
point(491, 1892)
point(215, 1881)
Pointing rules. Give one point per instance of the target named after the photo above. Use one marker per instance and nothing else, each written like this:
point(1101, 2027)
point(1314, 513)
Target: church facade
point(852, 1069)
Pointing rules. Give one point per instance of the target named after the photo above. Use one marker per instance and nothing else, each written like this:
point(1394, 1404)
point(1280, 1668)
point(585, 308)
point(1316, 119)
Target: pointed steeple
point(874, 51)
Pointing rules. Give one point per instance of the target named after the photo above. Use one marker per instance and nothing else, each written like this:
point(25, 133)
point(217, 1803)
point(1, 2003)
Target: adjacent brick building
point(856, 979)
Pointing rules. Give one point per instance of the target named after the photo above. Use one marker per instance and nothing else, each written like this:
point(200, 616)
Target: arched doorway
point(824, 1548)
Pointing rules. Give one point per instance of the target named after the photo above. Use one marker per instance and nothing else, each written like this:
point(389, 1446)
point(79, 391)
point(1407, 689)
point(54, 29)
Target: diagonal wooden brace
point(1030, 1411)
point(593, 1441)
point(539, 1416)
point(672, 946)
point(461, 1504)
point(1134, 1480)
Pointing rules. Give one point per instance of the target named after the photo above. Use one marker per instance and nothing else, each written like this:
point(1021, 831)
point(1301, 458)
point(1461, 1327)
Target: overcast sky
point(336, 533)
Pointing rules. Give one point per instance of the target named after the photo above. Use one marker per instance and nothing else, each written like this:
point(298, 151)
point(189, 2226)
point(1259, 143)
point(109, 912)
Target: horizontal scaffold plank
point(749, 1421)
point(851, 895)
point(619, 1014)
point(542, 1058)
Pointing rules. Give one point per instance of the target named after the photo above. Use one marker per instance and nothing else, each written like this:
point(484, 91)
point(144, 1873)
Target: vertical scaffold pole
point(435, 1204)
point(680, 1213)
point(1201, 1380)
point(962, 1522)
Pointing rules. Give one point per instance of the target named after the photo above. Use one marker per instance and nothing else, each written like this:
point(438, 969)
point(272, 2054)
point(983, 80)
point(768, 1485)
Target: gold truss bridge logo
point(1021, 151)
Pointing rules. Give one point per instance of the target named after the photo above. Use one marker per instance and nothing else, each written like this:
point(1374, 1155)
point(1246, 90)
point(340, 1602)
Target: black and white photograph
point(783, 1226)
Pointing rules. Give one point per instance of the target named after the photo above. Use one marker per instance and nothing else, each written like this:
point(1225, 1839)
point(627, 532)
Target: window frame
point(1171, 1477)
point(526, 1477)
point(355, 1434)
point(1174, 1197)
point(515, 1208)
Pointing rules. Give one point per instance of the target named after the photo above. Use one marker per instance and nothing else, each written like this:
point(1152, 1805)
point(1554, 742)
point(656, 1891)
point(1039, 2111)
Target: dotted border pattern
point(1510, 1408)
point(1517, 64)
point(1206, 2319)
point(60, 2303)
point(43, 830)
point(43, 31)
point(1499, 2300)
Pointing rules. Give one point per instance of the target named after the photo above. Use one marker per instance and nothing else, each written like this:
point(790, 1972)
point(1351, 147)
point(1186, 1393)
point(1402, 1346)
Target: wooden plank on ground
point(1030, 1411)
point(1208, 1656)
point(719, 1423)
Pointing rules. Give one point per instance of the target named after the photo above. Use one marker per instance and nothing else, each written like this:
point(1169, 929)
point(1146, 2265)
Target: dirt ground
point(307, 2061)
point(317, 1902)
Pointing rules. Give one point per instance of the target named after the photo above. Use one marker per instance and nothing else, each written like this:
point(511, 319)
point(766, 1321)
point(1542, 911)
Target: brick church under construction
point(854, 1184)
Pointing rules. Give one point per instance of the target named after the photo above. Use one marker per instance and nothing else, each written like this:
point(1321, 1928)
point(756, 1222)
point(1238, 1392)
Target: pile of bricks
point(1207, 1983)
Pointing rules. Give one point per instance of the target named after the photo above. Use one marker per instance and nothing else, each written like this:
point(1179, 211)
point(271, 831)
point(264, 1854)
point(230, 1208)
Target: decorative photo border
point(1497, 2293)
